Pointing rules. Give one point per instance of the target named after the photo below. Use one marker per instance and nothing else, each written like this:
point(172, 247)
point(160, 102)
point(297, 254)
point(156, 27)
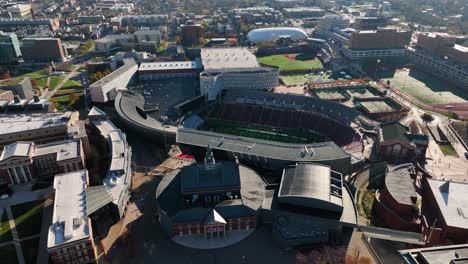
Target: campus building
point(312, 206)
point(20, 86)
point(38, 128)
point(42, 50)
point(453, 254)
point(210, 199)
point(445, 204)
point(380, 43)
point(141, 40)
point(333, 28)
point(106, 88)
point(9, 48)
point(396, 144)
point(233, 68)
point(23, 161)
point(439, 55)
point(398, 202)
point(21, 23)
point(70, 238)
point(110, 199)
point(149, 71)
point(191, 34)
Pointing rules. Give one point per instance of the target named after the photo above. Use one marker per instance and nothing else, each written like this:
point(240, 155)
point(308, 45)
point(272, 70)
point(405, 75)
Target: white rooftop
point(228, 58)
point(18, 149)
point(17, 123)
point(69, 221)
point(65, 150)
point(170, 65)
point(452, 201)
point(104, 126)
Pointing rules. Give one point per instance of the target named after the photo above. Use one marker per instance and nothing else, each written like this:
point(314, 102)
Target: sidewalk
point(47, 212)
point(16, 240)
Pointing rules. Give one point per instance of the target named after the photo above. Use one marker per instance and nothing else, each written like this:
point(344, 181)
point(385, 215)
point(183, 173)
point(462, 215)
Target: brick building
point(38, 128)
point(212, 199)
point(398, 202)
point(70, 235)
point(443, 45)
point(380, 43)
point(446, 205)
point(42, 50)
point(395, 144)
point(23, 162)
point(191, 34)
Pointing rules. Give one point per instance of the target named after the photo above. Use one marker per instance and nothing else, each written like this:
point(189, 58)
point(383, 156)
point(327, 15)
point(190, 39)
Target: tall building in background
point(439, 55)
point(9, 48)
point(191, 34)
point(42, 50)
point(380, 43)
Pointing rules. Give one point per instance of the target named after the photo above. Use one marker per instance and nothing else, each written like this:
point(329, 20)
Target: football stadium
point(259, 128)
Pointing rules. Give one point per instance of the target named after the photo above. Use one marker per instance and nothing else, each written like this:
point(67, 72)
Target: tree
point(427, 117)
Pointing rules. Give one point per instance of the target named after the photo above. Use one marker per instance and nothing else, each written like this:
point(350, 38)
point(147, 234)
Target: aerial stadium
point(298, 141)
point(255, 126)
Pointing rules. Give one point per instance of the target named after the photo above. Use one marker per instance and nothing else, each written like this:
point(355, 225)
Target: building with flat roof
point(106, 88)
point(191, 35)
point(110, 199)
point(312, 206)
point(453, 254)
point(446, 201)
point(9, 48)
point(170, 69)
point(396, 144)
point(25, 161)
point(379, 43)
point(42, 50)
point(304, 12)
point(439, 55)
point(20, 86)
point(21, 23)
point(70, 235)
point(38, 128)
point(141, 40)
point(231, 69)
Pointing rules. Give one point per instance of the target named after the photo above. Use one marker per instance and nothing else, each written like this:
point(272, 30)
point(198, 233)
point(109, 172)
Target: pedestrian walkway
point(14, 233)
point(42, 254)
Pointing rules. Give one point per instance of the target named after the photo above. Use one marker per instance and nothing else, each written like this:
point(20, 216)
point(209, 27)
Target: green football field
point(303, 62)
point(285, 135)
point(426, 88)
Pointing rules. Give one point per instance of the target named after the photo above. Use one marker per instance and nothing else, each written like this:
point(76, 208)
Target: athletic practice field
point(426, 88)
point(292, 62)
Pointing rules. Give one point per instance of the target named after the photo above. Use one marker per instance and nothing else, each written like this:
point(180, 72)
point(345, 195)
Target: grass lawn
point(28, 218)
point(54, 81)
point(8, 254)
point(286, 135)
point(71, 83)
point(296, 79)
point(448, 149)
point(367, 200)
point(40, 77)
point(30, 249)
point(426, 88)
point(5, 231)
point(62, 99)
point(303, 62)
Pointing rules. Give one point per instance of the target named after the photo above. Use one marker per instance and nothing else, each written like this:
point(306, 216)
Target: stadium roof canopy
point(312, 186)
point(262, 35)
